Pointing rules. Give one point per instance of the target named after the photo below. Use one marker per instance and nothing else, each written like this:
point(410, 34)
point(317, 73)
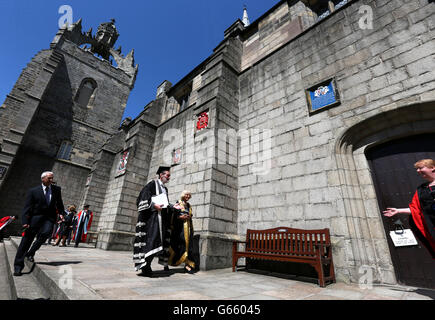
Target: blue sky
point(170, 38)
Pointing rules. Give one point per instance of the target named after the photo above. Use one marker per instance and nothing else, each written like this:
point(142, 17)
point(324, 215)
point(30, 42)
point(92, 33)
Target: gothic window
point(182, 96)
point(65, 150)
point(86, 92)
point(184, 102)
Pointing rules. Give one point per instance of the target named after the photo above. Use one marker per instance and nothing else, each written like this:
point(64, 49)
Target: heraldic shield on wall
point(122, 166)
point(176, 156)
point(202, 121)
point(322, 96)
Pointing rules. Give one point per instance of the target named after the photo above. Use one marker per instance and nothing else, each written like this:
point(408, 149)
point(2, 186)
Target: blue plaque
point(322, 95)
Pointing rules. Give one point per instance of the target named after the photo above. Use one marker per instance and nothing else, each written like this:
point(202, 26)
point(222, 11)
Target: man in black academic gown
point(43, 203)
point(152, 228)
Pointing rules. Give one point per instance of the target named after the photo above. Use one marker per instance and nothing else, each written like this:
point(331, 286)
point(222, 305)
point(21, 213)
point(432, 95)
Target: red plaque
point(202, 121)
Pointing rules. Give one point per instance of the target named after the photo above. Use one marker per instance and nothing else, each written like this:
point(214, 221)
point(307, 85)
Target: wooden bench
point(293, 245)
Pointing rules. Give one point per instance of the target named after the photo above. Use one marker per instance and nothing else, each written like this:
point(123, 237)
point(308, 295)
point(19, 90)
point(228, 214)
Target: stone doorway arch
point(366, 243)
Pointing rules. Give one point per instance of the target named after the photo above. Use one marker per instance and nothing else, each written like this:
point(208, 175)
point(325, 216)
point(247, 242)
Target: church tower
point(66, 104)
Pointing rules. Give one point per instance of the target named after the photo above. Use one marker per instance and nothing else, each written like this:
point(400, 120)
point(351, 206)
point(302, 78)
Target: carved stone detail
point(102, 43)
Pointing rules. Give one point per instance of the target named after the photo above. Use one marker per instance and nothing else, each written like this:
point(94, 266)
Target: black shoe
point(18, 273)
point(191, 271)
point(147, 271)
point(166, 268)
point(30, 259)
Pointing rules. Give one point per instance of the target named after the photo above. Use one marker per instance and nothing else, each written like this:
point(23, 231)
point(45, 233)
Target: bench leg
point(235, 263)
point(320, 273)
point(321, 276)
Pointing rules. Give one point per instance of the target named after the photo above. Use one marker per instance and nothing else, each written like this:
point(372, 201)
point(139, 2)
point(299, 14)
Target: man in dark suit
point(42, 205)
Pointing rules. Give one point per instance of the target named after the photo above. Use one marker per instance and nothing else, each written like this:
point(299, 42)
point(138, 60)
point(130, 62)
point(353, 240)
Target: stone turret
point(245, 19)
point(105, 39)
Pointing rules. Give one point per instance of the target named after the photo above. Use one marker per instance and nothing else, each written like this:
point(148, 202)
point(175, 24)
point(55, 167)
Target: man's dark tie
point(47, 194)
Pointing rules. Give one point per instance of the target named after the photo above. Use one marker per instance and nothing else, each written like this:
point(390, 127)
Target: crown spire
point(245, 16)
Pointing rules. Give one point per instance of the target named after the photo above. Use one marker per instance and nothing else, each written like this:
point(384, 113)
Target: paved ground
point(94, 274)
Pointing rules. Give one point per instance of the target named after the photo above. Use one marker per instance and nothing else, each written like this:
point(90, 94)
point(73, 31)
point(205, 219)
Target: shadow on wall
point(51, 125)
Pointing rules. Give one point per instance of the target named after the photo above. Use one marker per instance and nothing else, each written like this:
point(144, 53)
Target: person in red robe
point(4, 222)
point(84, 221)
point(422, 206)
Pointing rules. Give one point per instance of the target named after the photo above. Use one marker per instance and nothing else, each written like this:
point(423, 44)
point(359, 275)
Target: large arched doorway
point(395, 181)
point(397, 133)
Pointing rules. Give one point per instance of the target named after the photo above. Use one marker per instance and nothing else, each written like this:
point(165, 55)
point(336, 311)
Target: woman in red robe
point(4, 222)
point(422, 206)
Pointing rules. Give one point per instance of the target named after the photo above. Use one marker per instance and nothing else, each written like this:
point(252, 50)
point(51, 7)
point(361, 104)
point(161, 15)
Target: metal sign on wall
point(322, 96)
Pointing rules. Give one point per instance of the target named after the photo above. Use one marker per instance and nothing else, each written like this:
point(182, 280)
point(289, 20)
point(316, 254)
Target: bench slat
point(304, 243)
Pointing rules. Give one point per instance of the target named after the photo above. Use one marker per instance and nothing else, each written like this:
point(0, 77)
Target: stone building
point(64, 108)
point(309, 117)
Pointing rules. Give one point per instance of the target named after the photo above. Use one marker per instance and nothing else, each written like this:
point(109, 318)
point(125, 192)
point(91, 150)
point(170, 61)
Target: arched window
point(86, 92)
point(65, 150)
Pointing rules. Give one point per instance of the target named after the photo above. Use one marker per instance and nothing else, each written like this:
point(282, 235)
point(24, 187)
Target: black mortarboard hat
point(86, 206)
point(162, 168)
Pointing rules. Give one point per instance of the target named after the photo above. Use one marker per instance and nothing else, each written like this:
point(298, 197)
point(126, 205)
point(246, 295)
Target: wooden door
point(395, 179)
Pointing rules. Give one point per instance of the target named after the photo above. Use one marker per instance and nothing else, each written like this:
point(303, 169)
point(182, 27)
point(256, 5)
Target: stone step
point(7, 288)
point(55, 282)
point(27, 287)
point(10, 147)
point(6, 157)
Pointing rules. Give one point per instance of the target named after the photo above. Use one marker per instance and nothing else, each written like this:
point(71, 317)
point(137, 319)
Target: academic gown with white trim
point(152, 236)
